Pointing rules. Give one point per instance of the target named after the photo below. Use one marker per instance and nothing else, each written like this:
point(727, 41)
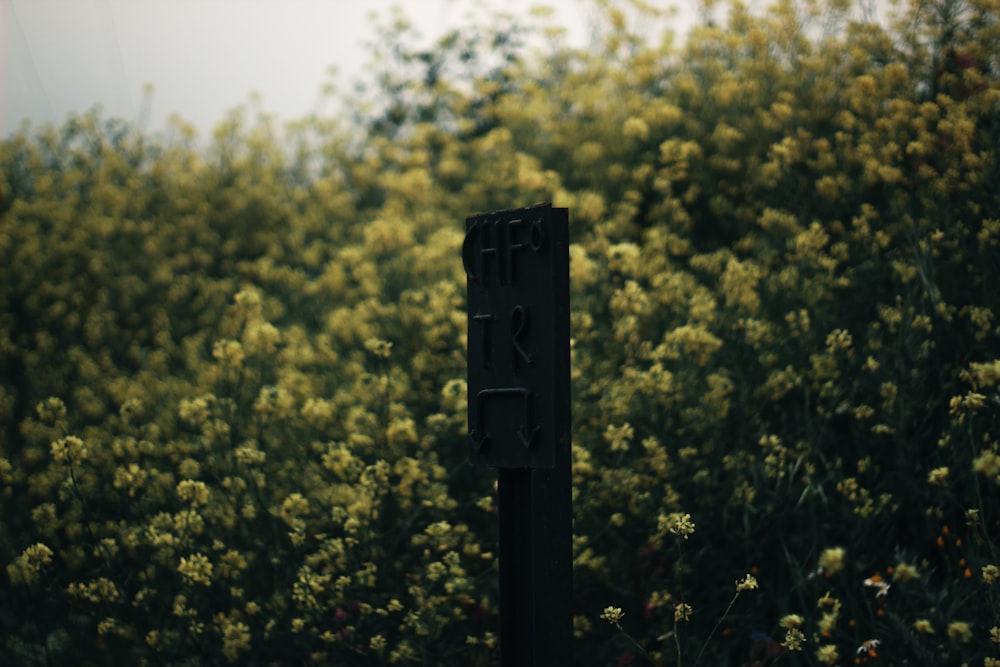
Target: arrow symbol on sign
point(528, 439)
point(479, 441)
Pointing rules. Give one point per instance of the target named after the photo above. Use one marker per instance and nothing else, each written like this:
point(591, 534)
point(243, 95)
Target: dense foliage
point(232, 395)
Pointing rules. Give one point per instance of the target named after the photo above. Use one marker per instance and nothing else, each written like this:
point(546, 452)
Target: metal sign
point(517, 265)
point(517, 268)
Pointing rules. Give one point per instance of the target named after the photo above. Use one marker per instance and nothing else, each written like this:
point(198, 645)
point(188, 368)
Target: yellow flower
point(613, 615)
point(748, 583)
point(960, 630)
point(677, 524)
point(791, 621)
point(619, 436)
point(923, 626)
point(380, 348)
point(905, 572)
point(25, 569)
point(827, 623)
point(68, 450)
point(794, 639)
point(196, 569)
point(635, 128)
point(261, 337)
point(828, 601)
point(235, 640)
point(987, 463)
point(990, 573)
point(51, 411)
point(194, 492)
point(938, 476)
point(827, 654)
point(831, 561)
point(682, 612)
point(228, 353)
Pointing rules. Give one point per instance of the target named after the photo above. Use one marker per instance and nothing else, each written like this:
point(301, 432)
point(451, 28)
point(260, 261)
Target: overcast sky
point(203, 57)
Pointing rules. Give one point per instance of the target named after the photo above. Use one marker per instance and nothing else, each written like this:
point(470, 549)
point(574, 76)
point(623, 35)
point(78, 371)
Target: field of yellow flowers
point(232, 371)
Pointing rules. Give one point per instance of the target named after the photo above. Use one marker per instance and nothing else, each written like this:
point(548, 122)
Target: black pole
point(517, 265)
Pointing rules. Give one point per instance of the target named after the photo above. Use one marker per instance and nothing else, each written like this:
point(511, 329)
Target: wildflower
point(99, 590)
point(748, 583)
point(261, 337)
point(228, 353)
point(619, 436)
point(68, 450)
point(868, 647)
point(794, 639)
point(904, 572)
point(613, 615)
point(635, 128)
point(995, 635)
point(828, 601)
point(960, 630)
point(827, 654)
point(26, 568)
point(235, 640)
point(923, 626)
point(938, 476)
point(987, 463)
point(682, 612)
point(196, 569)
point(293, 508)
point(791, 621)
point(876, 581)
point(827, 623)
point(380, 348)
point(990, 573)
point(51, 411)
point(677, 524)
point(194, 492)
point(831, 561)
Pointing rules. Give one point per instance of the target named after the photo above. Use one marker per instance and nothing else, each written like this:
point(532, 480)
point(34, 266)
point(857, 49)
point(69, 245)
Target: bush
point(233, 396)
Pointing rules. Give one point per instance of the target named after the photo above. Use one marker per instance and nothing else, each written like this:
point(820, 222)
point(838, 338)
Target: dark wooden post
point(517, 267)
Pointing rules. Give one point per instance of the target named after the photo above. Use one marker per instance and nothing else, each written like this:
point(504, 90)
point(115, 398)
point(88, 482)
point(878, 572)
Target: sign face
point(517, 269)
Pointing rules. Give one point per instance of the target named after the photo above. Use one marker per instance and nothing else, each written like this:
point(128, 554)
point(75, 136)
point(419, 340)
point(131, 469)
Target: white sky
point(203, 57)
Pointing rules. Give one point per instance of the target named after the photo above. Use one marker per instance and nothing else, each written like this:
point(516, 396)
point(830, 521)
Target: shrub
point(233, 395)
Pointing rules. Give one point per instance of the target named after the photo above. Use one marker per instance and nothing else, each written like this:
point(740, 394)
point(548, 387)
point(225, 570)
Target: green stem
point(639, 646)
point(712, 633)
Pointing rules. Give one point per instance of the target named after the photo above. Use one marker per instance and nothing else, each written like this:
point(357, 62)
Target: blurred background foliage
point(232, 399)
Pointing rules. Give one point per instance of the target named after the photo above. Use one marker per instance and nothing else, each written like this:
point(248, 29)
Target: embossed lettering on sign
point(484, 320)
point(518, 326)
point(491, 247)
point(525, 429)
point(516, 262)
